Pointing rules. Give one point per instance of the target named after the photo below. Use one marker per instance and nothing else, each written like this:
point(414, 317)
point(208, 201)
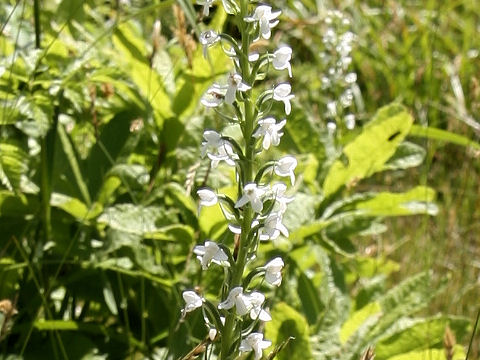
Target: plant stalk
point(229, 329)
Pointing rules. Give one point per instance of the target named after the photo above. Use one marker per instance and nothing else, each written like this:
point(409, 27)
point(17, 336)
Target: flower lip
point(210, 252)
point(281, 92)
point(237, 298)
point(281, 59)
point(252, 194)
point(270, 131)
point(254, 342)
point(266, 19)
point(273, 271)
point(207, 197)
point(192, 301)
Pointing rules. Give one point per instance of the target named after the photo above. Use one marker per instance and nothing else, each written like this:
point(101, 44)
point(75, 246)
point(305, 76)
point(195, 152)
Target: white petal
point(242, 201)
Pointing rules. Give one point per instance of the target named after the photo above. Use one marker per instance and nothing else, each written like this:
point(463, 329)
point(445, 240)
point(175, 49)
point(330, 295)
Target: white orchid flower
point(282, 93)
point(281, 59)
point(257, 299)
point(192, 301)
point(254, 342)
point(235, 84)
point(217, 149)
point(273, 271)
point(208, 38)
point(214, 96)
point(278, 194)
point(270, 130)
point(266, 19)
point(237, 298)
point(207, 197)
point(206, 6)
point(273, 227)
point(210, 252)
point(285, 167)
point(252, 194)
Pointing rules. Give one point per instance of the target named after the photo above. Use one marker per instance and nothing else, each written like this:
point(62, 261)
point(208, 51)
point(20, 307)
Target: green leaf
point(13, 164)
point(134, 58)
point(406, 156)
point(357, 319)
point(431, 354)
point(17, 205)
point(369, 151)
point(418, 200)
point(110, 298)
point(288, 322)
point(419, 335)
point(75, 207)
point(442, 135)
point(144, 221)
point(72, 159)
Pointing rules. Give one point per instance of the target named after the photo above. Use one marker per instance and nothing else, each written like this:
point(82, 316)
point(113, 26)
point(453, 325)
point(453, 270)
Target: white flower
point(207, 197)
point(208, 38)
point(273, 227)
point(281, 59)
point(212, 333)
point(237, 298)
point(252, 194)
point(350, 121)
point(278, 193)
point(206, 6)
point(234, 83)
point(252, 57)
point(257, 299)
point(254, 342)
point(214, 96)
point(273, 271)
point(270, 130)
point(266, 19)
point(210, 252)
point(282, 93)
point(331, 127)
point(192, 301)
point(285, 167)
point(217, 149)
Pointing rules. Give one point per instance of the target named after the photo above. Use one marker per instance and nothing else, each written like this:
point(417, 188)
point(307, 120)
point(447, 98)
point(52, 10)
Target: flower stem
point(247, 177)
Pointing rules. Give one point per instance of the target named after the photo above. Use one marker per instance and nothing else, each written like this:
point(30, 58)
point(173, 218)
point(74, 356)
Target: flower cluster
point(257, 213)
point(339, 82)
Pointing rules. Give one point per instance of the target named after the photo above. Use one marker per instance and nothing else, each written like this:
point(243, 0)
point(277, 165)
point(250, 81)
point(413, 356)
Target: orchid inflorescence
point(339, 81)
point(256, 215)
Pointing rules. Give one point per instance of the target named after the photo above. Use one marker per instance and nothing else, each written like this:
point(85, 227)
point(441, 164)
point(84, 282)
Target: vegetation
point(102, 122)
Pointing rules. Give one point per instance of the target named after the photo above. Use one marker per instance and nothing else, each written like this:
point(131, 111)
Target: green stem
point(36, 16)
point(230, 329)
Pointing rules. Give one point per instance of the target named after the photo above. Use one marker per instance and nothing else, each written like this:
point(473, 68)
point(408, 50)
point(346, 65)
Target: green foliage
point(99, 156)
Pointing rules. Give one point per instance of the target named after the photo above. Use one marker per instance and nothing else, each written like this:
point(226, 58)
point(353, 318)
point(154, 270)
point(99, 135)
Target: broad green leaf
point(288, 322)
point(431, 354)
point(13, 163)
point(418, 200)
point(305, 231)
point(165, 283)
point(357, 319)
point(17, 205)
point(74, 165)
point(369, 151)
point(442, 135)
point(134, 58)
point(145, 221)
point(75, 207)
point(407, 155)
point(419, 335)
